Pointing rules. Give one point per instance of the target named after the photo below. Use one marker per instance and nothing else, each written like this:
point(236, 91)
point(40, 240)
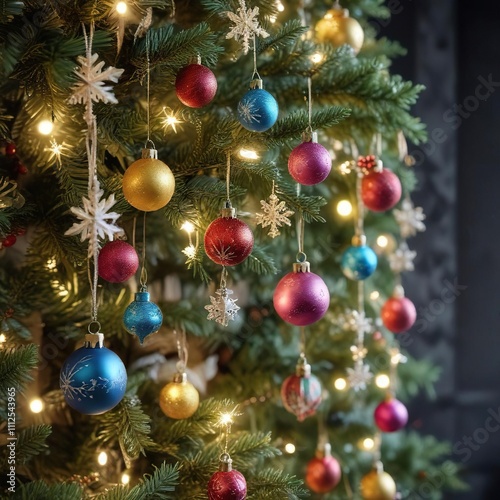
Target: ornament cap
point(180, 378)
point(149, 154)
point(303, 368)
point(142, 296)
point(225, 463)
point(310, 136)
point(256, 84)
point(301, 267)
point(399, 292)
point(228, 212)
point(324, 450)
point(95, 340)
point(358, 240)
point(378, 467)
point(379, 166)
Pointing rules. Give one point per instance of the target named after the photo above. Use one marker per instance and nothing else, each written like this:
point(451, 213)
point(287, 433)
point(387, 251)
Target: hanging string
point(144, 273)
point(228, 175)
point(148, 81)
point(309, 101)
point(181, 350)
point(301, 256)
point(255, 72)
point(302, 341)
point(223, 278)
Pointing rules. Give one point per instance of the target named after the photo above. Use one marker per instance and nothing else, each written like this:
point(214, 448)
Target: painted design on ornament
point(249, 111)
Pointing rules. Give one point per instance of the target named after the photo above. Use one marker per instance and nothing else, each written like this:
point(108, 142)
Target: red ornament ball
point(391, 415)
point(398, 314)
point(229, 485)
point(301, 395)
point(301, 298)
point(195, 85)
point(380, 191)
point(228, 241)
point(117, 262)
point(10, 149)
point(9, 240)
point(309, 163)
point(323, 474)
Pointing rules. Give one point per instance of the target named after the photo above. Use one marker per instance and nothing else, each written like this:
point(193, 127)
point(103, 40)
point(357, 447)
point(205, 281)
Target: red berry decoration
point(301, 297)
point(117, 262)
point(9, 240)
point(195, 85)
point(227, 483)
point(391, 415)
point(380, 190)
point(228, 240)
point(323, 472)
point(10, 149)
point(310, 162)
point(398, 313)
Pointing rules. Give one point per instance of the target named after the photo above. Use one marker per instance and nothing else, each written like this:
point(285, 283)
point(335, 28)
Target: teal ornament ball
point(257, 110)
point(358, 262)
point(142, 317)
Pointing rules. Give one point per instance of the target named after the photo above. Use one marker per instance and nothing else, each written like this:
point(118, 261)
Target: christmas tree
point(223, 313)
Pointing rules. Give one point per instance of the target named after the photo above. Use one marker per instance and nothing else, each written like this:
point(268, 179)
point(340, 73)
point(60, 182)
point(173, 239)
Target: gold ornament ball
point(148, 184)
point(339, 29)
point(179, 399)
point(378, 486)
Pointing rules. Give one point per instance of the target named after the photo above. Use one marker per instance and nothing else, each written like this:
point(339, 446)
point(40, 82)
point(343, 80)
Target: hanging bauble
point(309, 163)
point(117, 262)
point(93, 378)
point(323, 472)
point(380, 190)
point(148, 184)
point(378, 485)
point(179, 399)
point(142, 317)
point(398, 313)
point(390, 415)
point(339, 29)
point(358, 261)
point(301, 297)
point(257, 109)
point(195, 85)
point(301, 392)
point(9, 240)
point(227, 483)
point(228, 241)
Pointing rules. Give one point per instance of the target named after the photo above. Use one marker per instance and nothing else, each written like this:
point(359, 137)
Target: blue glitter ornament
point(359, 261)
point(93, 378)
point(257, 109)
point(142, 317)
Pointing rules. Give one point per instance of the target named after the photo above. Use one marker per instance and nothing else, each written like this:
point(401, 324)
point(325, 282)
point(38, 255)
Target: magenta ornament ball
point(391, 415)
point(309, 163)
point(117, 262)
point(229, 485)
point(301, 298)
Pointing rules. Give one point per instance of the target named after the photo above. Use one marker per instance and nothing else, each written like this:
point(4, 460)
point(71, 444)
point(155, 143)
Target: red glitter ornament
point(380, 191)
point(10, 149)
point(227, 483)
point(323, 472)
point(228, 240)
point(195, 85)
point(398, 314)
point(117, 262)
point(9, 240)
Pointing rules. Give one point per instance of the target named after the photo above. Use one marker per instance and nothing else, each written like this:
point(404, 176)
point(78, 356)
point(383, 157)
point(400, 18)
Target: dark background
point(451, 46)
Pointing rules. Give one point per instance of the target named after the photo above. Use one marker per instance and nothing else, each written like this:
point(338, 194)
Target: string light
point(121, 8)
point(290, 448)
point(272, 19)
point(317, 57)
point(249, 154)
point(367, 444)
point(188, 227)
point(102, 458)
point(45, 127)
point(170, 120)
point(125, 478)
point(3, 338)
point(280, 6)
point(382, 241)
point(226, 419)
point(51, 264)
point(382, 381)
point(374, 295)
point(344, 208)
point(36, 405)
point(340, 384)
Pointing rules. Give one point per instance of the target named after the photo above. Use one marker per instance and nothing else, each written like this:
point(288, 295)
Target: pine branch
point(260, 262)
point(15, 367)
point(272, 484)
point(43, 491)
point(31, 442)
point(285, 36)
point(161, 484)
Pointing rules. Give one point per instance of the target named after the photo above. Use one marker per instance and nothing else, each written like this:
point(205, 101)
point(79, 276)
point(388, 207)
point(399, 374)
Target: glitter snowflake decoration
point(358, 322)
point(222, 308)
point(249, 110)
point(276, 213)
point(246, 25)
point(359, 376)
point(409, 218)
point(402, 259)
point(96, 220)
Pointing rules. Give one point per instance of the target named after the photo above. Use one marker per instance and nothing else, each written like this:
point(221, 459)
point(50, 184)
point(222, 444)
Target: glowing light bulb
point(272, 19)
point(3, 338)
point(375, 295)
point(189, 251)
point(382, 241)
point(45, 127)
point(280, 6)
point(317, 57)
point(382, 380)
point(121, 8)
point(36, 405)
point(368, 444)
point(250, 154)
point(125, 478)
point(102, 458)
point(340, 384)
point(290, 448)
point(226, 419)
point(344, 208)
point(188, 227)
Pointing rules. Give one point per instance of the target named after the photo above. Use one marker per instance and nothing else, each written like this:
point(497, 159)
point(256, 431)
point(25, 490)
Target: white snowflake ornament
point(402, 259)
point(246, 25)
point(276, 213)
point(409, 218)
point(359, 376)
point(222, 308)
point(359, 323)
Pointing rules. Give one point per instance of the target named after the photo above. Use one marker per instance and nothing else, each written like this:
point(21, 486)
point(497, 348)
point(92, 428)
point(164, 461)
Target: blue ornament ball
point(358, 262)
point(142, 317)
point(93, 379)
point(257, 110)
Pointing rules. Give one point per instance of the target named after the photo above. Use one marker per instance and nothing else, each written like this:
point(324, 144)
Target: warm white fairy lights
point(382, 381)
point(344, 208)
point(290, 448)
point(121, 8)
point(248, 154)
point(375, 295)
point(188, 227)
point(36, 405)
point(340, 384)
point(45, 127)
point(102, 458)
point(125, 479)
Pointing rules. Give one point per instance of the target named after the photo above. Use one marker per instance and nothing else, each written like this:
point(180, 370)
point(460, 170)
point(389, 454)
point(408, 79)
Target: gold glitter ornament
point(179, 399)
point(339, 29)
point(378, 485)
